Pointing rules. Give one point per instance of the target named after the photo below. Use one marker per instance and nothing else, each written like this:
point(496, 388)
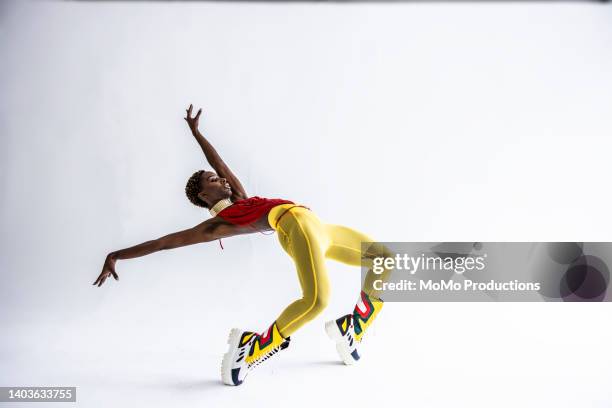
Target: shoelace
point(266, 356)
point(270, 353)
point(350, 325)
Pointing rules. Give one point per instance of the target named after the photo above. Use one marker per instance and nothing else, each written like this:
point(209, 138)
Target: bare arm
point(213, 157)
point(207, 231)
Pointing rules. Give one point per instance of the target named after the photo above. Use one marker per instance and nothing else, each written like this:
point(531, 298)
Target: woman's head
point(205, 188)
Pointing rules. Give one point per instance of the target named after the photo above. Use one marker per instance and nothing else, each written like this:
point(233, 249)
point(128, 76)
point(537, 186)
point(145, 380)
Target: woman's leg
point(346, 247)
point(304, 237)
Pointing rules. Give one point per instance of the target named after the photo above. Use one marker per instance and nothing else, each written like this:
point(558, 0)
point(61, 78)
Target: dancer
point(302, 235)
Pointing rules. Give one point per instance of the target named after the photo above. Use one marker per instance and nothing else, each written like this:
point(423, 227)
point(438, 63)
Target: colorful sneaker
point(342, 331)
point(247, 350)
point(348, 330)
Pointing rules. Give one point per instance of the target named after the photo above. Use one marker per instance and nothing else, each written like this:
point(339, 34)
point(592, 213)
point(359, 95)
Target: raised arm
point(208, 230)
point(213, 157)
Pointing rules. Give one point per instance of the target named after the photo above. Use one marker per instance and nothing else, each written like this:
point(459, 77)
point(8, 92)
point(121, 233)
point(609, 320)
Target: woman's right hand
point(107, 270)
point(194, 121)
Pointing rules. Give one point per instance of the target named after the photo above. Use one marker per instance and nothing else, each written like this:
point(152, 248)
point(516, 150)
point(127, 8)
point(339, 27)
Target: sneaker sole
point(348, 358)
point(226, 365)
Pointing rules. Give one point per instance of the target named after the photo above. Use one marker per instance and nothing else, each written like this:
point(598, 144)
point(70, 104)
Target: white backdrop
point(409, 121)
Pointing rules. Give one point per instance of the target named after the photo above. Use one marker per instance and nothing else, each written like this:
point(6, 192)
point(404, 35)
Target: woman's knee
point(316, 304)
point(377, 250)
point(321, 302)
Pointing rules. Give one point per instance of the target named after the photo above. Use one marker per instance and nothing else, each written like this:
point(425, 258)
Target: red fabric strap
point(286, 211)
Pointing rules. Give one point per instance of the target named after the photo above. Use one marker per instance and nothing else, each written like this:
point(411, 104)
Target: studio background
point(408, 121)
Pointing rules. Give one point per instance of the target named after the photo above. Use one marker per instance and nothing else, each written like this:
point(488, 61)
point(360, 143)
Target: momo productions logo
point(487, 271)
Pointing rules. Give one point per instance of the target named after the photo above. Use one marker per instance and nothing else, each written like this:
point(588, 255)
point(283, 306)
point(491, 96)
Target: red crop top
point(249, 210)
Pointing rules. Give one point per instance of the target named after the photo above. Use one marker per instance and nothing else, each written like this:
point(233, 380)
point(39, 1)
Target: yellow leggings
point(308, 241)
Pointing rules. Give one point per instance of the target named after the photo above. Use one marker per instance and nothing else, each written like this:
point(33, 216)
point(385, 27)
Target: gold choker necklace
point(220, 206)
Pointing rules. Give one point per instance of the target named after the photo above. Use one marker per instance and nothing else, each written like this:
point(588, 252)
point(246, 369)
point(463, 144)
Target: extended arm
point(209, 230)
point(213, 157)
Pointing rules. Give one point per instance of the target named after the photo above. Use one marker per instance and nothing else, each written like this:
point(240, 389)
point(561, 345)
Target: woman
point(302, 235)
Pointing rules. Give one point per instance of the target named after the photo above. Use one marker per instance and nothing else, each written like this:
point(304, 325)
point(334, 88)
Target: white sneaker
point(247, 350)
point(342, 331)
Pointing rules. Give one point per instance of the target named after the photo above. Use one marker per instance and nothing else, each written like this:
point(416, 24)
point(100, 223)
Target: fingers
point(190, 111)
point(99, 277)
point(103, 277)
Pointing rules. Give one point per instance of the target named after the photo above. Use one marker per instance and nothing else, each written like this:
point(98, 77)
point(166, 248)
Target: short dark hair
point(193, 188)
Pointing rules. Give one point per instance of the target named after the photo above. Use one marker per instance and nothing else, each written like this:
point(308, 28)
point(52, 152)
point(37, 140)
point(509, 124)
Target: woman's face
point(213, 187)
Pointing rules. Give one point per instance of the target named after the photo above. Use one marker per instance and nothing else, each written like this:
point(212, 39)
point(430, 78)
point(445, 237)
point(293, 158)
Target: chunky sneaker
point(247, 350)
point(342, 331)
point(348, 330)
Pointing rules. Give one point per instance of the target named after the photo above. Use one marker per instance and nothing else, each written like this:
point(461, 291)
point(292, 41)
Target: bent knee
point(316, 304)
point(321, 303)
point(376, 250)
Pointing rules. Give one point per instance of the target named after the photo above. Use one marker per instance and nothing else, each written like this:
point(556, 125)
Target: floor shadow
point(319, 363)
point(328, 363)
point(196, 385)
